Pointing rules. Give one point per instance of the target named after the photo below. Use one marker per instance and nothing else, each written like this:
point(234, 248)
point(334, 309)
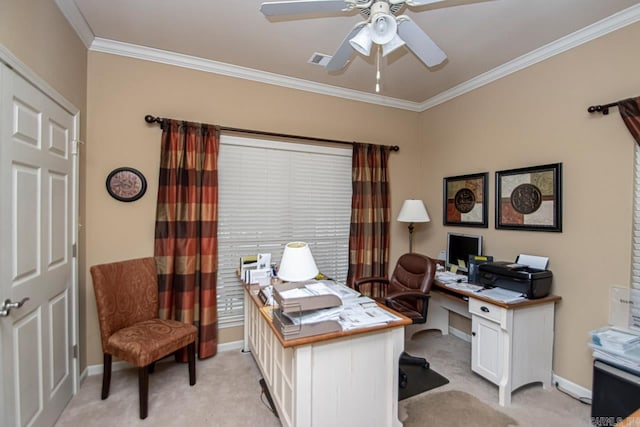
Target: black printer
point(531, 282)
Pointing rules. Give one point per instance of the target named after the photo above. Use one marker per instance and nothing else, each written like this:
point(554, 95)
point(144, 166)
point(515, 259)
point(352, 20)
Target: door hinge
point(75, 351)
point(74, 250)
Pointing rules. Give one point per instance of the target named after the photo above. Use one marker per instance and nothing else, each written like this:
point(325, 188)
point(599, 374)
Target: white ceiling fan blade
point(309, 6)
point(421, 2)
point(345, 51)
point(419, 42)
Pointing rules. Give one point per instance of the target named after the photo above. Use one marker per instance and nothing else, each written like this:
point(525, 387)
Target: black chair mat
point(419, 380)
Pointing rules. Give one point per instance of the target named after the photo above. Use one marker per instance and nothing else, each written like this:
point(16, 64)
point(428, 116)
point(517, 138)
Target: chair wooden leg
point(191, 352)
point(143, 385)
point(106, 375)
point(152, 367)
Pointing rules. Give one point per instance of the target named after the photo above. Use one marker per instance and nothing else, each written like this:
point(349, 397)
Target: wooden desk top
point(252, 290)
point(458, 293)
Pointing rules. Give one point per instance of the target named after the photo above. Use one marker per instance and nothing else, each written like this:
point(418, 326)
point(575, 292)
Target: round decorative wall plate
point(126, 184)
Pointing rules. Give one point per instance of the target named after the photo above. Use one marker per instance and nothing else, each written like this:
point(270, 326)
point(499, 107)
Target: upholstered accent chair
point(127, 301)
point(407, 292)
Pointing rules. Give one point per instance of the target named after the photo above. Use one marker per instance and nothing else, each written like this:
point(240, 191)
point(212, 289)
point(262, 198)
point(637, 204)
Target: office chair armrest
point(373, 279)
point(406, 295)
point(410, 295)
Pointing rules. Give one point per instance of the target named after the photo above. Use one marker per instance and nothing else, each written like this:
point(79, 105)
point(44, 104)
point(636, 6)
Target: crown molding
point(612, 23)
point(70, 11)
point(605, 26)
point(210, 66)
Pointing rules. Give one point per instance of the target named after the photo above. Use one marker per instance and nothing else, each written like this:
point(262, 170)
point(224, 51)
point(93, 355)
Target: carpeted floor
point(228, 394)
point(453, 409)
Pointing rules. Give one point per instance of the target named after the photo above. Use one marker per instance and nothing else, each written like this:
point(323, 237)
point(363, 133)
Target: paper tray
point(314, 302)
point(290, 331)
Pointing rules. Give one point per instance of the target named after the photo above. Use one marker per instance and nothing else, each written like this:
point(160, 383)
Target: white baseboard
point(459, 334)
point(576, 390)
point(120, 365)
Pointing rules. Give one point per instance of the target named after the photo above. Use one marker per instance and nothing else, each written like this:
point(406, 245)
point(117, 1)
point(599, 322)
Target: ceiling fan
point(382, 27)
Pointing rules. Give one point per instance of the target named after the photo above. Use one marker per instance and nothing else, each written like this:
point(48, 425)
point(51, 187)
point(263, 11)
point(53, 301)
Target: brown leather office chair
point(407, 292)
point(127, 302)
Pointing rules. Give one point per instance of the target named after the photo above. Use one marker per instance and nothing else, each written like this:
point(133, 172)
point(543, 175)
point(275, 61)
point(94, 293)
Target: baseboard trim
point(459, 334)
point(574, 389)
point(121, 365)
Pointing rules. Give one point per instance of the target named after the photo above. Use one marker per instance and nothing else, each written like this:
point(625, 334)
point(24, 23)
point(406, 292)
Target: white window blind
point(271, 193)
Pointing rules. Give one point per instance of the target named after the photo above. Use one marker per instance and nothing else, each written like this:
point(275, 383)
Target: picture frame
point(529, 198)
point(465, 200)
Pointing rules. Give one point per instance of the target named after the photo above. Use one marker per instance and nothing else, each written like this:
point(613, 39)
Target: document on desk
point(503, 295)
point(357, 315)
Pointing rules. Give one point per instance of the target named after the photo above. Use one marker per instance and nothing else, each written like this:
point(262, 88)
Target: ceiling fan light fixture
point(395, 43)
point(361, 42)
point(383, 28)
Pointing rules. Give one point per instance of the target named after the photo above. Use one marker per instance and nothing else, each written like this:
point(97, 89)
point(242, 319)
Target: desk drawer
point(488, 311)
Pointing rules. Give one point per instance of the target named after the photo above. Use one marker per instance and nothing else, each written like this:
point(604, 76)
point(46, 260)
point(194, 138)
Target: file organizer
point(313, 302)
point(288, 330)
point(286, 327)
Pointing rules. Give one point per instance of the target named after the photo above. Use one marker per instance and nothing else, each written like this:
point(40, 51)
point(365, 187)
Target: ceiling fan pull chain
point(378, 70)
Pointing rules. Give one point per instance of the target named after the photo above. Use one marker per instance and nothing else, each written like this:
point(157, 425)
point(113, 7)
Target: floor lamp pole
point(410, 237)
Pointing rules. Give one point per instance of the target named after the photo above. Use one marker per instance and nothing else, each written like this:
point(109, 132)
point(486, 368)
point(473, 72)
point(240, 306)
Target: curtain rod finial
point(150, 119)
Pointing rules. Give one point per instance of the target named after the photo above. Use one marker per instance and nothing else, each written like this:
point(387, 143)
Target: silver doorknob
point(7, 305)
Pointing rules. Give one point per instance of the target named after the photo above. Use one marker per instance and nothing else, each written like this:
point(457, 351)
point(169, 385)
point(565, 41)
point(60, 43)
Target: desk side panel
point(355, 381)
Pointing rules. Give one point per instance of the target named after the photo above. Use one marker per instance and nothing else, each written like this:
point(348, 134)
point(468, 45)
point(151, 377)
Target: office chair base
point(407, 359)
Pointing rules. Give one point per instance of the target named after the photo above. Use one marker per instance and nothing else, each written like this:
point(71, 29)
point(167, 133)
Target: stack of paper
point(502, 295)
point(364, 314)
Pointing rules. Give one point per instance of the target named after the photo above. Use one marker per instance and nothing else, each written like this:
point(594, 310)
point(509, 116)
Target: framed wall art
point(465, 200)
point(530, 198)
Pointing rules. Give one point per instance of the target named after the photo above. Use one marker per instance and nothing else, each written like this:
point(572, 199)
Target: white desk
point(511, 344)
point(338, 379)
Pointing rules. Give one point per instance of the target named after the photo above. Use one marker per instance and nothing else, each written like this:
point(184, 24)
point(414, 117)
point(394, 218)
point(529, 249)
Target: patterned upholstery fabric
point(127, 302)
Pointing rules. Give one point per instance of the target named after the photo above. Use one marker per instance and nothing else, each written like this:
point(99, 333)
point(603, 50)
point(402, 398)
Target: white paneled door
point(37, 268)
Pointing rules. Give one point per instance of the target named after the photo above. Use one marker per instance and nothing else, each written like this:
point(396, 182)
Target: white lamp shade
point(361, 42)
point(297, 263)
point(413, 211)
point(395, 43)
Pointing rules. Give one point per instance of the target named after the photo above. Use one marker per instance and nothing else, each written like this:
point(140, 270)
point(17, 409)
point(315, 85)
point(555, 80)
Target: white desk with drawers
point(345, 378)
point(511, 343)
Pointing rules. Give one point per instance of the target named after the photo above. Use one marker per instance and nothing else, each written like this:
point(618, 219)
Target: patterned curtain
point(630, 113)
point(186, 239)
point(370, 212)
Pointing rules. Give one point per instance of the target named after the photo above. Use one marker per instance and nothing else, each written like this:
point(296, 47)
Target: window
point(272, 193)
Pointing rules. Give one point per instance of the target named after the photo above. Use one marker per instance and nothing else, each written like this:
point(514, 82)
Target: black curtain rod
point(151, 119)
point(604, 109)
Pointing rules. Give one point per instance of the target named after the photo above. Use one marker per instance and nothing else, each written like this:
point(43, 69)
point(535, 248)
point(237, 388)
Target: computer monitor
point(459, 247)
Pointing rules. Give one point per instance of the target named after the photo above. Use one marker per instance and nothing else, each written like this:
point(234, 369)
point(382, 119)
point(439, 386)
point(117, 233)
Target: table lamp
point(297, 263)
point(413, 211)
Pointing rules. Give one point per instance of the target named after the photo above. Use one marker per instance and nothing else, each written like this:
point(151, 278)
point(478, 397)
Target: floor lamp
point(413, 211)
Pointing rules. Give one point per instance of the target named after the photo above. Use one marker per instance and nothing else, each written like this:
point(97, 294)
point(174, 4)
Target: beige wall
point(534, 117)
point(121, 91)
point(37, 33)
